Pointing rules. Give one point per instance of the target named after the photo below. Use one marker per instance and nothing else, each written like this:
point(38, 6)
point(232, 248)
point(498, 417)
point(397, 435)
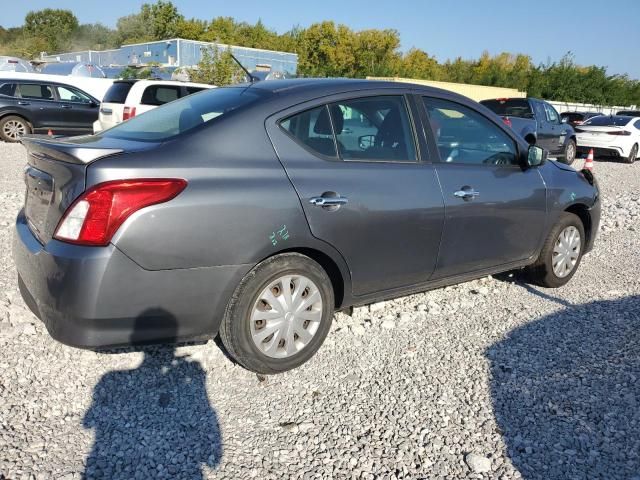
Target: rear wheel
point(13, 127)
point(633, 155)
point(279, 315)
point(561, 253)
point(570, 152)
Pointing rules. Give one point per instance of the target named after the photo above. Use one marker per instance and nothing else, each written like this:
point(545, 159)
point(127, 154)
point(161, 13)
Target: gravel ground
point(488, 379)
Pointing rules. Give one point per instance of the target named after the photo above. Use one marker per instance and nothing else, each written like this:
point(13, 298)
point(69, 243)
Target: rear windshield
point(511, 107)
point(630, 113)
point(572, 116)
point(117, 92)
point(183, 115)
point(603, 121)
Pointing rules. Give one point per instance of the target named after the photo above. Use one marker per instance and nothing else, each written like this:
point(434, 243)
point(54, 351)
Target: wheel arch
point(336, 275)
point(582, 212)
point(5, 114)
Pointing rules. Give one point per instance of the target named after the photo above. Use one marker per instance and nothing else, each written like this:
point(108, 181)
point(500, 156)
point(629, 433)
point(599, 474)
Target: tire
point(632, 155)
point(542, 271)
point(13, 127)
point(570, 152)
point(275, 353)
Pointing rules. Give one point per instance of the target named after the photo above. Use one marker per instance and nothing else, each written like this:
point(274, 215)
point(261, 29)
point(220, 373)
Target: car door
point(39, 100)
point(557, 134)
point(77, 110)
point(544, 132)
point(495, 211)
point(375, 199)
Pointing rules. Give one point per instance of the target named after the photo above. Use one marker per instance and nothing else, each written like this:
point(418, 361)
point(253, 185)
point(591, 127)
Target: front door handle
point(466, 193)
point(328, 201)
point(66, 106)
point(24, 103)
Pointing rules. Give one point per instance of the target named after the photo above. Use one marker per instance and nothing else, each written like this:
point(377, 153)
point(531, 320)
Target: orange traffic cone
point(588, 165)
point(50, 133)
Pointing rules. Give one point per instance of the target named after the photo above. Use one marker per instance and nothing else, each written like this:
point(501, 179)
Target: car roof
point(317, 87)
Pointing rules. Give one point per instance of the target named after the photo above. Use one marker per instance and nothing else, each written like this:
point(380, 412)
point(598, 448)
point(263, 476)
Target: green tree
point(163, 19)
point(53, 25)
point(418, 64)
point(217, 67)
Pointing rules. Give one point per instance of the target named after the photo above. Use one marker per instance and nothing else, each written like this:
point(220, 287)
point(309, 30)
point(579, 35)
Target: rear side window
point(35, 91)
point(8, 89)
point(117, 92)
point(160, 94)
point(464, 136)
point(176, 118)
point(374, 129)
point(510, 107)
point(312, 128)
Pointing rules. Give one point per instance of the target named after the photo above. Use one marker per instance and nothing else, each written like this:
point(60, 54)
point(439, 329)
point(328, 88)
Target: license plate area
point(38, 199)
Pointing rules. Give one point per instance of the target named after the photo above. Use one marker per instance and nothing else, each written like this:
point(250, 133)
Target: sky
point(597, 32)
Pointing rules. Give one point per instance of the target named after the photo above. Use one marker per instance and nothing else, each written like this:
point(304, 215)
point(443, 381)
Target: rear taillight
point(97, 214)
point(623, 133)
point(507, 121)
point(129, 112)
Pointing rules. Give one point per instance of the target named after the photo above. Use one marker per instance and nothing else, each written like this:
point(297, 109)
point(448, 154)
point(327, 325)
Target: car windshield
point(182, 115)
point(609, 121)
point(512, 107)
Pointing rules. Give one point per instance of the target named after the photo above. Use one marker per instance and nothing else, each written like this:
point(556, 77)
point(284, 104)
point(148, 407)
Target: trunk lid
point(56, 171)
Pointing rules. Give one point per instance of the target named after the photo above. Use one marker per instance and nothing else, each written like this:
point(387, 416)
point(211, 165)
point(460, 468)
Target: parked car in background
point(611, 135)
point(128, 98)
point(629, 113)
point(577, 118)
point(96, 87)
point(538, 123)
point(255, 211)
point(14, 64)
point(30, 106)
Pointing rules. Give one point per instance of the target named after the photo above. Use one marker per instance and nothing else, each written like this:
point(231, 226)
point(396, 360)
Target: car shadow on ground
point(566, 392)
point(154, 421)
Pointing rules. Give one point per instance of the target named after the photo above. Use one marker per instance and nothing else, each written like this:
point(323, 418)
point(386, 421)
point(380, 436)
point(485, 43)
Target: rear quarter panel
point(238, 208)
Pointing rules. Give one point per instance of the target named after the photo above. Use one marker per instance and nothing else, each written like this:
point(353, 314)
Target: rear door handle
point(66, 106)
point(466, 194)
point(24, 103)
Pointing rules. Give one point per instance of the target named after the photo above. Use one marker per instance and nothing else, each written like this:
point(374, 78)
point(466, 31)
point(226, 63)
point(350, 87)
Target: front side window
point(35, 91)
point(72, 95)
point(374, 129)
point(465, 136)
point(312, 128)
point(160, 94)
point(552, 115)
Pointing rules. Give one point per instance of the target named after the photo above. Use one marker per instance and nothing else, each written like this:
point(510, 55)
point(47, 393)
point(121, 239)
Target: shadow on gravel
point(154, 421)
point(566, 392)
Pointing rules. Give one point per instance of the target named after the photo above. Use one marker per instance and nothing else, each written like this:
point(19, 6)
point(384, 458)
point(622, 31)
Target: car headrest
point(323, 124)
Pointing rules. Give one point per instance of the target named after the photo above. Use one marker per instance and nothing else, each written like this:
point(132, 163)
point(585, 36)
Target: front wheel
point(633, 154)
point(560, 254)
point(279, 315)
point(570, 152)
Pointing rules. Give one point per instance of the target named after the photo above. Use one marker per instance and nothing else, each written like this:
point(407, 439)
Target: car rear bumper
point(96, 297)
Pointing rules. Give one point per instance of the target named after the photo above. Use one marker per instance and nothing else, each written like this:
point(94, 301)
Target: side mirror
point(366, 141)
point(536, 156)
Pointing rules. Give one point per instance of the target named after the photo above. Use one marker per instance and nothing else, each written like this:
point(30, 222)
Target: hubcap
point(571, 153)
point(566, 251)
point(286, 316)
point(14, 129)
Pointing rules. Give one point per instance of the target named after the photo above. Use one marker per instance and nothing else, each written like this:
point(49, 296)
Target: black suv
point(35, 106)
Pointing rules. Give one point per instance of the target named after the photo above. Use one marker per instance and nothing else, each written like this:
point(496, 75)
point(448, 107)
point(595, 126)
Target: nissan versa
point(256, 211)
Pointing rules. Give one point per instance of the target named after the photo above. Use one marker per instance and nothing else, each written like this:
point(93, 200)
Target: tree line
point(325, 49)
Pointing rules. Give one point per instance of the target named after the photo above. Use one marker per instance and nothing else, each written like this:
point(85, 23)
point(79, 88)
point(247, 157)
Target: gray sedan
point(254, 212)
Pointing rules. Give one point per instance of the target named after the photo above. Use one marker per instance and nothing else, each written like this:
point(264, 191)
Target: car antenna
point(252, 78)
